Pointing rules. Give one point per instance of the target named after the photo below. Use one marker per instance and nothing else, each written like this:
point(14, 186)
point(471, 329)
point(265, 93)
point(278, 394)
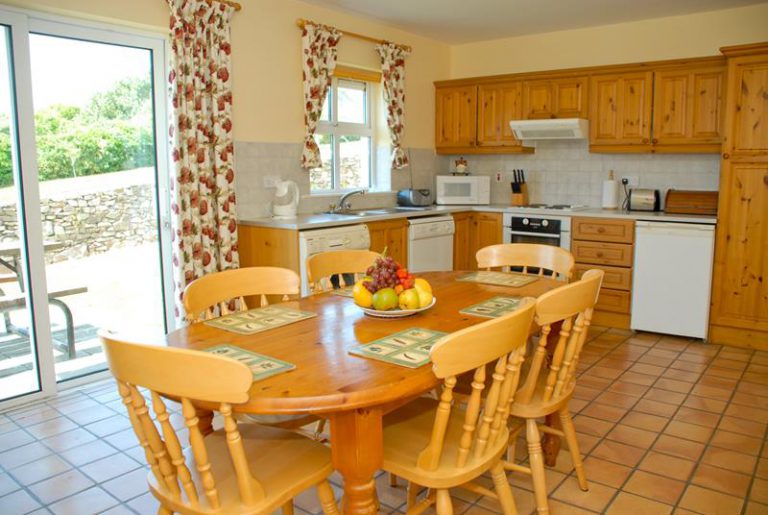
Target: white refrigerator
point(672, 278)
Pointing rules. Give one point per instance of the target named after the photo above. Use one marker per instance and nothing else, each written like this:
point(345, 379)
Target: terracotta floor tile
point(681, 375)
point(651, 370)
point(618, 453)
point(754, 508)
point(662, 353)
point(592, 426)
point(708, 502)
point(606, 472)
point(660, 488)
point(628, 503)
point(673, 385)
point(759, 491)
point(712, 392)
point(576, 405)
point(721, 480)
point(666, 465)
point(705, 404)
point(558, 508)
point(586, 393)
point(727, 373)
point(688, 366)
point(698, 417)
point(604, 412)
point(604, 373)
point(616, 399)
point(645, 421)
point(635, 378)
point(632, 436)
point(688, 431)
point(747, 412)
point(596, 499)
point(762, 468)
point(654, 360)
point(728, 363)
point(655, 408)
point(718, 382)
point(679, 447)
point(627, 388)
point(730, 460)
point(736, 442)
point(655, 394)
point(597, 383)
point(743, 426)
point(751, 388)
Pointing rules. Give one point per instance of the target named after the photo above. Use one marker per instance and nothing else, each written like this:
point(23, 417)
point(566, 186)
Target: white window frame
point(335, 128)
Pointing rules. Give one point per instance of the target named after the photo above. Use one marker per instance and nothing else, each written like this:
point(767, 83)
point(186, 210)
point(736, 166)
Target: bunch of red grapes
point(387, 273)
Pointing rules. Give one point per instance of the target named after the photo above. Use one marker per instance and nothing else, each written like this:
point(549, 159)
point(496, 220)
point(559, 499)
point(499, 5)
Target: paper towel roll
point(610, 194)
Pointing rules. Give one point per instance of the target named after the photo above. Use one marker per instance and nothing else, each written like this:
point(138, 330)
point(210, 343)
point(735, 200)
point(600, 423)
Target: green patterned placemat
point(343, 292)
point(261, 366)
point(259, 319)
point(494, 307)
point(409, 348)
point(498, 278)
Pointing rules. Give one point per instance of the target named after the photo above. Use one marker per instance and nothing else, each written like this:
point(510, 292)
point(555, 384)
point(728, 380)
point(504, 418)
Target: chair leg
point(327, 501)
point(536, 459)
point(162, 510)
point(319, 428)
point(444, 505)
point(503, 490)
point(287, 508)
point(392, 480)
point(413, 493)
point(573, 446)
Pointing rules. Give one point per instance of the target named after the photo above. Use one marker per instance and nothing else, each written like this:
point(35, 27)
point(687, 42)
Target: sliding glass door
point(93, 229)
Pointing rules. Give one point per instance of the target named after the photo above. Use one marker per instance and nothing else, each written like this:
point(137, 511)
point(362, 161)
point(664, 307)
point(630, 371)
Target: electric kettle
point(286, 201)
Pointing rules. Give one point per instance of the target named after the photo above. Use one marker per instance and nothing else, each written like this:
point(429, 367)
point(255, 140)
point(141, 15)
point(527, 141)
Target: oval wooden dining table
point(354, 393)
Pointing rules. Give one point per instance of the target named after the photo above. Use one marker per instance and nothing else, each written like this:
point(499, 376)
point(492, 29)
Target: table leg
point(550, 444)
point(357, 450)
point(204, 420)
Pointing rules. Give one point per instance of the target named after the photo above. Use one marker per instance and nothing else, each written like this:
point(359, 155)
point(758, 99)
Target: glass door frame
point(21, 23)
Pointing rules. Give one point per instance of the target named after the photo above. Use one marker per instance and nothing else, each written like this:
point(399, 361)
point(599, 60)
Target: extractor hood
point(556, 128)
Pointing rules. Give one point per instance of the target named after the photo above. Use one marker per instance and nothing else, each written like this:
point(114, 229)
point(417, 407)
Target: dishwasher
point(672, 278)
point(326, 240)
point(430, 244)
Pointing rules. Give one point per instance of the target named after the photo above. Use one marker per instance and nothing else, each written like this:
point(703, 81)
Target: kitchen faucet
point(343, 205)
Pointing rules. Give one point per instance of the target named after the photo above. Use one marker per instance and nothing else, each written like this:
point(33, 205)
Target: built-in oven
point(545, 230)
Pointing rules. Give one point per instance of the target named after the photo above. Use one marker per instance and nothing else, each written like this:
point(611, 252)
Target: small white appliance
point(672, 278)
point(463, 189)
point(554, 128)
point(430, 244)
point(286, 201)
point(544, 230)
point(324, 240)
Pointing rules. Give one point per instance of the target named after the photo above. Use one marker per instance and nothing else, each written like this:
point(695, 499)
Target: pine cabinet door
point(455, 116)
point(620, 107)
point(497, 105)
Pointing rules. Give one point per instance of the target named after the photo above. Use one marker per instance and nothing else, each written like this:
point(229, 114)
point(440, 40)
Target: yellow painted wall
point(266, 60)
point(662, 38)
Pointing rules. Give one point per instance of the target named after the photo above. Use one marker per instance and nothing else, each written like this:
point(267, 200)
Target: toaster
point(641, 199)
point(414, 198)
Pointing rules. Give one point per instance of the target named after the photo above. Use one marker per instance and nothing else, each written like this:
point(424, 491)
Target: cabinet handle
point(599, 254)
point(601, 229)
point(645, 140)
point(726, 155)
point(654, 141)
point(765, 179)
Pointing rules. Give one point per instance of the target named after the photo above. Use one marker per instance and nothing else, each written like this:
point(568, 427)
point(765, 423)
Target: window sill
point(338, 195)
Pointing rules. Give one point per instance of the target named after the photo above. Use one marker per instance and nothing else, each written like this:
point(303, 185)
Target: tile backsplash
point(255, 160)
point(562, 171)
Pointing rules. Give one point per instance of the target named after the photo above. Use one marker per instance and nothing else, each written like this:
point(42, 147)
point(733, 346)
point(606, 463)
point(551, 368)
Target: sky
point(68, 71)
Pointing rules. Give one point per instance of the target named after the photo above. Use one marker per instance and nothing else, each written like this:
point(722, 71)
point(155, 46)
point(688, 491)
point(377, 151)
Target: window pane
point(325, 114)
point(355, 161)
point(352, 101)
point(321, 179)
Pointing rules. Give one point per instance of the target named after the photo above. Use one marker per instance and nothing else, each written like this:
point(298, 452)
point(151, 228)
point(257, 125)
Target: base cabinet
point(473, 232)
point(392, 234)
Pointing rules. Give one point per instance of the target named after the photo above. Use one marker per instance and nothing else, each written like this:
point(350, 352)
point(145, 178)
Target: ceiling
point(464, 21)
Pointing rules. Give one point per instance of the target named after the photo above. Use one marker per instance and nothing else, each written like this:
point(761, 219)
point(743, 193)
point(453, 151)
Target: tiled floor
point(666, 426)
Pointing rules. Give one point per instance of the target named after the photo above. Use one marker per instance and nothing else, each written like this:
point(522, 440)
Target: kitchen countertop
point(323, 220)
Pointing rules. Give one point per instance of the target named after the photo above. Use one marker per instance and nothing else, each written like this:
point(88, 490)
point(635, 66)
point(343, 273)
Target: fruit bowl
point(396, 313)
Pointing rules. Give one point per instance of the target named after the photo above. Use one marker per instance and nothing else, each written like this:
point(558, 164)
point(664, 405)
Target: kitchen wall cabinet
point(392, 234)
point(474, 119)
point(620, 109)
point(609, 246)
point(473, 232)
point(739, 314)
point(555, 98)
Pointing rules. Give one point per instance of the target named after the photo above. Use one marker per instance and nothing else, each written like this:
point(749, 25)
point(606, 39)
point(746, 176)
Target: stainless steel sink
point(377, 211)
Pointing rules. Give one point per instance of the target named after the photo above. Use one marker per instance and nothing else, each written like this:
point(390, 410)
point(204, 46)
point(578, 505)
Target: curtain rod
point(301, 22)
point(230, 3)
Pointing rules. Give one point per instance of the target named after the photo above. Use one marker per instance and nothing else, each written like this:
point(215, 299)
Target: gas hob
point(559, 207)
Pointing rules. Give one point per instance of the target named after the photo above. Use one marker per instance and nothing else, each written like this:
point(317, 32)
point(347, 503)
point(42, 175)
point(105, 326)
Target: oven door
point(511, 236)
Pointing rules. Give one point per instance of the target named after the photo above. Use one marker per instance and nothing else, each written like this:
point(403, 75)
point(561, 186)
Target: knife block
point(520, 199)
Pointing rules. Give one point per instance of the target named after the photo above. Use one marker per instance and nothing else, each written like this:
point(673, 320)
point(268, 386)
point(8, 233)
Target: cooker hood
point(556, 128)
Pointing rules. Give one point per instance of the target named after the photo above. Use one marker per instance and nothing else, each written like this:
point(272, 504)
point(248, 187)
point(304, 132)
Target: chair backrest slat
point(571, 307)
point(211, 295)
point(555, 260)
point(500, 342)
point(320, 267)
point(191, 377)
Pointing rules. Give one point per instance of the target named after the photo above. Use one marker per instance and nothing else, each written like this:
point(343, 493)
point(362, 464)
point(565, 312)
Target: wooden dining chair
point(551, 378)
point(212, 295)
point(547, 259)
point(251, 470)
point(321, 267)
point(439, 443)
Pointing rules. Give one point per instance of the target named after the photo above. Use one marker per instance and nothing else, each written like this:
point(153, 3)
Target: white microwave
point(463, 189)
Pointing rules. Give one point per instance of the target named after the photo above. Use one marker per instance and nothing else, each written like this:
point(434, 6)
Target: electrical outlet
point(270, 181)
point(498, 176)
point(632, 181)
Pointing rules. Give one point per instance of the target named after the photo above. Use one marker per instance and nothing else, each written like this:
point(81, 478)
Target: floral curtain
point(393, 77)
point(318, 60)
point(201, 142)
